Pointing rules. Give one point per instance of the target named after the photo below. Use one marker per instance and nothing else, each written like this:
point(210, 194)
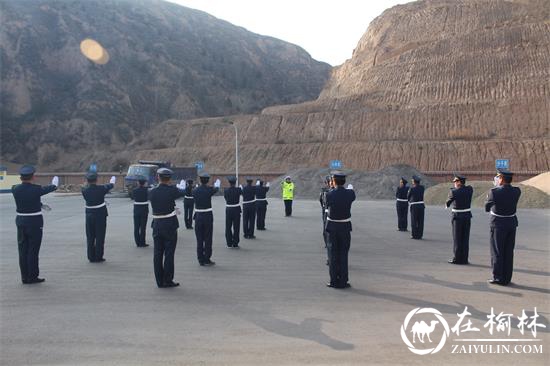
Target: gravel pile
point(379, 184)
point(531, 197)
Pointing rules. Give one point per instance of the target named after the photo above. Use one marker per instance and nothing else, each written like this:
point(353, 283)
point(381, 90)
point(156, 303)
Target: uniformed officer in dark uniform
point(96, 215)
point(324, 210)
point(249, 209)
point(461, 199)
point(416, 201)
point(261, 203)
point(141, 211)
point(165, 227)
point(29, 222)
point(502, 205)
point(339, 202)
point(204, 219)
point(232, 197)
point(188, 204)
point(402, 204)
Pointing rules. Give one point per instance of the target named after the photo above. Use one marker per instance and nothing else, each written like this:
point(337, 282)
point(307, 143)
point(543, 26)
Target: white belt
point(497, 215)
point(173, 213)
point(261, 199)
point(345, 220)
point(29, 214)
point(203, 209)
point(237, 205)
point(189, 197)
point(403, 200)
point(249, 201)
point(463, 210)
point(326, 211)
point(417, 203)
point(98, 206)
point(141, 203)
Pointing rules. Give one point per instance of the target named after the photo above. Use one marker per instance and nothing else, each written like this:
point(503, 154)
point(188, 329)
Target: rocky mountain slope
point(166, 61)
point(438, 85)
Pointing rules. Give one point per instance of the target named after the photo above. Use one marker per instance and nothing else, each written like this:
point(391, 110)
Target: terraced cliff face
point(439, 85)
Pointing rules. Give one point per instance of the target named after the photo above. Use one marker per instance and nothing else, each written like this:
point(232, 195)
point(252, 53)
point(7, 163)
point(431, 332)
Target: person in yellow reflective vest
point(288, 194)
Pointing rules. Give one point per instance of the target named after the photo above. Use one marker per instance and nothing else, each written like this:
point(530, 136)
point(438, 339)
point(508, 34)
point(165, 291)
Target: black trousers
point(188, 205)
point(29, 239)
point(140, 228)
point(163, 257)
point(288, 207)
point(402, 213)
point(417, 221)
point(232, 226)
point(204, 222)
point(461, 239)
point(96, 226)
point(503, 241)
point(249, 219)
point(338, 249)
point(261, 209)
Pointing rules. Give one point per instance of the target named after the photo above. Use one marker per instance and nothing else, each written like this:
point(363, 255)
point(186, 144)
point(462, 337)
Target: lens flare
point(93, 51)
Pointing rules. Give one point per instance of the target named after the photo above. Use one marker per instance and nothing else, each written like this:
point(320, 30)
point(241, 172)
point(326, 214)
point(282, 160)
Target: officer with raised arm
point(141, 211)
point(96, 215)
point(416, 202)
point(502, 203)
point(165, 227)
point(339, 201)
point(402, 204)
point(261, 203)
point(249, 209)
point(29, 222)
point(188, 204)
point(232, 197)
point(324, 211)
point(460, 197)
point(204, 219)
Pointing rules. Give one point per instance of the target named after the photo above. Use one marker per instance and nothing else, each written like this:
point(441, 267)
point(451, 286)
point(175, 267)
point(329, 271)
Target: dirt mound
point(379, 184)
point(531, 197)
point(541, 181)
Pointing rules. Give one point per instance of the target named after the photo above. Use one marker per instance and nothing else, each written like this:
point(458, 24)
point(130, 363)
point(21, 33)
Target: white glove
point(241, 186)
point(349, 186)
point(258, 182)
point(182, 184)
point(113, 180)
point(495, 181)
point(217, 183)
point(55, 181)
point(267, 184)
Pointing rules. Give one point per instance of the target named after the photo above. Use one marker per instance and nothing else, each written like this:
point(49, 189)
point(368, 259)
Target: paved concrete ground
point(263, 304)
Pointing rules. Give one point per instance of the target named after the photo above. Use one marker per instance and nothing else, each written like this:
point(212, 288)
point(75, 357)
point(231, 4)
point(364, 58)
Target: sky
point(328, 30)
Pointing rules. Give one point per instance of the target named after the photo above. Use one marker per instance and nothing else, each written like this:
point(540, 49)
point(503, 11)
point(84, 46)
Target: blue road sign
point(199, 165)
point(93, 168)
point(503, 164)
point(336, 164)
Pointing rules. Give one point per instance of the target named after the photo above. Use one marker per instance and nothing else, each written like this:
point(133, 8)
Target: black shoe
point(261, 228)
point(327, 263)
point(452, 261)
point(252, 237)
point(493, 281)
point(101, 260)
point(209, 263)
point(330, 285)
point(201, 263)
point(171, 284)
point(236, 247)
point(34, 280)
point(347, 285)
point(143, 245)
